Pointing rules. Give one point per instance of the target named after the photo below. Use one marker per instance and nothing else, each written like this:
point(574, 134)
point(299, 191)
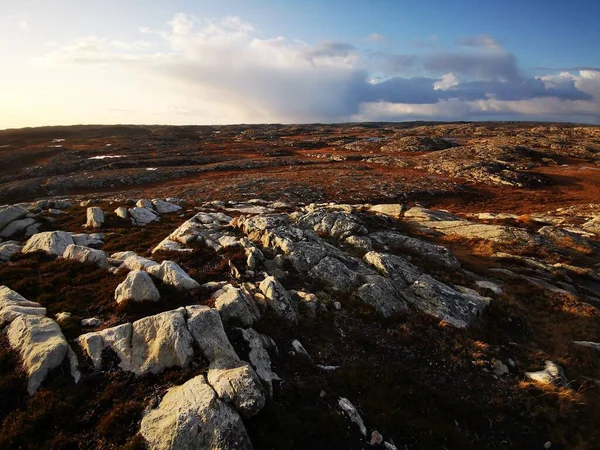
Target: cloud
point(225, 63)
point(375, 37)
point(330, 49)
point(481, 41)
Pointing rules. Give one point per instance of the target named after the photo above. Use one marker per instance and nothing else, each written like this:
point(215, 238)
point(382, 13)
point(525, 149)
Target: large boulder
point(52, 242)
point(17, 227)
point(41, 345)
point(137, 287)
point(279, 299)
point(9, 214)
point(95, 217)
point(86, 255)
point(233, 380)
point(191, 416)
point(170, 273)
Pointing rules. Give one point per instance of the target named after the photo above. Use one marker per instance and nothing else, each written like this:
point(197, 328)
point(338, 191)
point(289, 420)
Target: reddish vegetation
point(418, 381)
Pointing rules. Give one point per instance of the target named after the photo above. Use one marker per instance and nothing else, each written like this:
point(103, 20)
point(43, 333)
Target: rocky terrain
point(394, 286)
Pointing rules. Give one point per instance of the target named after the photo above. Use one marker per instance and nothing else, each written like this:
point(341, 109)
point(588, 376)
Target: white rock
point(279, 299)
point(163, 207)
point(95, 217)
point(142, 216)
point(233, 380)
point(41, 345)
point(191, 416)
point(552, 374)
point(62, 316)
point(145, 203)
point(137, 287)
point(299, 348)
point(136, 262)
point(91, 322)
point(352, 414)
point(173, 275)
point(52, 242)
point(86, 255)
point(259, 357)
point(13, 305)
point(122, 256)
point(16, 227)
point(8, 249)
point(393, 209)
point(159, 342)
point(121, 212)
point(234, 305)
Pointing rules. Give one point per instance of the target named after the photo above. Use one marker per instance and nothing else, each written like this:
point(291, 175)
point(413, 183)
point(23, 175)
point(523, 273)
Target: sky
point(181, 62)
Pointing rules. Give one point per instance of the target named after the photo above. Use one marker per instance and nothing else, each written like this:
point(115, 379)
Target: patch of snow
point(58, 140)
point(151, 168)
point(55, 146)
point(107, 157)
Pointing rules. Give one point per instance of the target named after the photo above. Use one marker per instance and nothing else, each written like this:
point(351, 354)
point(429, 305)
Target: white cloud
point(447, 81)
point(222, 71)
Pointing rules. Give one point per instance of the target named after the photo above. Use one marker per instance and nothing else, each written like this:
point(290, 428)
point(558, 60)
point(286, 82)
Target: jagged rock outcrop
point(233, 380)
point(278, 299)
point(149, 345)
point(259, 357)
point(237, 306)
point(191, 416)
